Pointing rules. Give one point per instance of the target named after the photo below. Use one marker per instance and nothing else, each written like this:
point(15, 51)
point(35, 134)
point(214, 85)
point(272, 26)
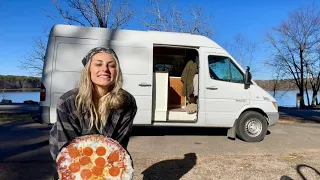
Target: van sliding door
point(66, 68)
point(136, 65)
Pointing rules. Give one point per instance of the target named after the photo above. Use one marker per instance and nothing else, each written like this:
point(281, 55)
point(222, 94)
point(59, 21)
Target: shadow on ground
point(24, 151)
point(165, 130)
point(303, 174)
point(10, 152)
point(300, 114)
point(24, 141)
point(172, 169)
point(26, 170)
point(180, 131)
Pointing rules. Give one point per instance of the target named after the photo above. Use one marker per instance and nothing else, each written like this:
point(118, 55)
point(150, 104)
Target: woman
point(98, 106)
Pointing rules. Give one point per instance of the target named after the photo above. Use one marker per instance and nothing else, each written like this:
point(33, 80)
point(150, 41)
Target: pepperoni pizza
point(94, 157)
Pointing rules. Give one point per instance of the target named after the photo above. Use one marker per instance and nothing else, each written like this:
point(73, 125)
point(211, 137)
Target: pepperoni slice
point(85, 160)
point(100, 161)
point(97, 170)
point(74, 167)
point(73, 152)
point(114, 171)
point(86, 174)
point(88, 151)
point(101, 151)
point(113, 157)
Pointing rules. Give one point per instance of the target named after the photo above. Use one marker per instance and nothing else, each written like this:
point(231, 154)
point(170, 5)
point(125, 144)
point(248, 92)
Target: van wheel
point(252, 126)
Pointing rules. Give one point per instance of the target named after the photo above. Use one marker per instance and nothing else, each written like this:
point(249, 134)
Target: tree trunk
point(308, 99)
point(301, 92)
point(274, 90)
point(306, 89)
point(274, 93)
point(314, 98)
point(301, 80)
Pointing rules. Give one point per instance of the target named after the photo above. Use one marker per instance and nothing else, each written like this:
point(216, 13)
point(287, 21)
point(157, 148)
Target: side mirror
point(247, 77)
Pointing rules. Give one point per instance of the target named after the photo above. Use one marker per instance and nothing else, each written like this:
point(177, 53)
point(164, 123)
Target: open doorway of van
point(175, 84)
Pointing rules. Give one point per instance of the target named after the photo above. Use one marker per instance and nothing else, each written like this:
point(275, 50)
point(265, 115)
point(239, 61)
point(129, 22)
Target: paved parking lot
point(178, 153)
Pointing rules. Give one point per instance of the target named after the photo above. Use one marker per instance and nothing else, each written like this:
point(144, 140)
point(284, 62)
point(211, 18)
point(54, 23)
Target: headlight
point(275, 105)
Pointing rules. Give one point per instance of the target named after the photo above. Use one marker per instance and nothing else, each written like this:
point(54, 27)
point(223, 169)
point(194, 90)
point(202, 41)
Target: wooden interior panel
point(175, 97)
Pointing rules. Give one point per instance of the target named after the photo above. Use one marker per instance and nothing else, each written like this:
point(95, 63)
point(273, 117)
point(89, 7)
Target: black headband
point(96, 50)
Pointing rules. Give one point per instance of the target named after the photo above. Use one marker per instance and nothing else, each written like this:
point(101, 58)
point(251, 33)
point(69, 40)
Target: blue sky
point(23, 20)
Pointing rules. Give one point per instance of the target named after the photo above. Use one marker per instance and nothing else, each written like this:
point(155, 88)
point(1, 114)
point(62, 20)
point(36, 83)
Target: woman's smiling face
point(103, 69)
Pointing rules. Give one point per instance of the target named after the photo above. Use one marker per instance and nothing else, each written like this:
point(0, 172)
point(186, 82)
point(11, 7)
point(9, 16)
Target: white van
point(152, 63)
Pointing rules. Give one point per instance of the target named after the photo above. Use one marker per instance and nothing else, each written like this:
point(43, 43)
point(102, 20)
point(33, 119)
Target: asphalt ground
point(173, 153)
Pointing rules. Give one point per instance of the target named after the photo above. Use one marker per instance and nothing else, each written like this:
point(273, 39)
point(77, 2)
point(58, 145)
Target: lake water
point(19, 97)
point(288, 98)
point(284, 98)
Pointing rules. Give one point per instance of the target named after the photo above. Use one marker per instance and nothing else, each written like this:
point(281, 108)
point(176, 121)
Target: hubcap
point(253, 127)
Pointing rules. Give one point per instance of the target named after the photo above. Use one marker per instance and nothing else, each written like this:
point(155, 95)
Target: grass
point(16, 117)
point(293, 120)
point(312, 107)
point(317, 106)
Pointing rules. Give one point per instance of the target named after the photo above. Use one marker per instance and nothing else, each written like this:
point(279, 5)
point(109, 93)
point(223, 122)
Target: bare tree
point(277, 85)
point(243, 51)
point(313, 70)
point(114, 14)
point(34, 60)
point(292, 42)
point(160, 17)
point(246, 50)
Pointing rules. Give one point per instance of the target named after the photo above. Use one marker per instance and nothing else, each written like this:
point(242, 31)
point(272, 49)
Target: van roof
point(157, 37)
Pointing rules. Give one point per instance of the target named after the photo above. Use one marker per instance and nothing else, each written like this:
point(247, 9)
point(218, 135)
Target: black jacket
point(68, 125)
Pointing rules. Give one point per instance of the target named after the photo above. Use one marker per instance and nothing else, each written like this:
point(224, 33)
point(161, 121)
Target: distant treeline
point(280, 85)
point(10, 82)
point(33, 83)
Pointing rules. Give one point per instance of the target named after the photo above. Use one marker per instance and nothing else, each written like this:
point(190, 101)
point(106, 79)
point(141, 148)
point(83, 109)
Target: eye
point(98, 64)
point(112, 65)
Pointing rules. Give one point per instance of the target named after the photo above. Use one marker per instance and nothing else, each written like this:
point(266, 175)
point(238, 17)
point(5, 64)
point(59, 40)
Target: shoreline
point(20, 90)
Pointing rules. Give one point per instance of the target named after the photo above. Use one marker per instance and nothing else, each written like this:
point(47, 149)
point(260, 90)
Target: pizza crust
point(73, 161)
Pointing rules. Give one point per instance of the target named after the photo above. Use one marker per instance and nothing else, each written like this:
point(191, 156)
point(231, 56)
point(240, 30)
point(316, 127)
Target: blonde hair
point(112, 100)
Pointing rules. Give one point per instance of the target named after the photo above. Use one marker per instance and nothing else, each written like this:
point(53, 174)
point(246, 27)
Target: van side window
point(237, 76)
point(221, 68)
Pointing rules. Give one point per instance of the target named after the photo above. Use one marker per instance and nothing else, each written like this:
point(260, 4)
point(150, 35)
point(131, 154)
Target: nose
point(105, 68)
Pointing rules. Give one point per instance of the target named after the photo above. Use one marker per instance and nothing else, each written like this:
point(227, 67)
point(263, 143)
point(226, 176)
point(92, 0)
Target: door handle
point(212, 88)
point(144, 84)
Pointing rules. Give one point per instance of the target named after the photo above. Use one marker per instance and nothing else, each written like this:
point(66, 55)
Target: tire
point(252, 126)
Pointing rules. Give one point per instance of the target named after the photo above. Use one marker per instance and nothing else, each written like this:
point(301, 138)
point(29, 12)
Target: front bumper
point(273, 118)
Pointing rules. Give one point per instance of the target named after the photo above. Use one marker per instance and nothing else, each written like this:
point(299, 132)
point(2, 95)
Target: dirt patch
point(231, 167)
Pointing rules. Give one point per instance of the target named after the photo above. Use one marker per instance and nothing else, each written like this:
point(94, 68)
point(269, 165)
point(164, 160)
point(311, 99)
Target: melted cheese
point(94, 143)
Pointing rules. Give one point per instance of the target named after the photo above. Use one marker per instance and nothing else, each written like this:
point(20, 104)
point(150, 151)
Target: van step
point(181, 121)
point(181, 116)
